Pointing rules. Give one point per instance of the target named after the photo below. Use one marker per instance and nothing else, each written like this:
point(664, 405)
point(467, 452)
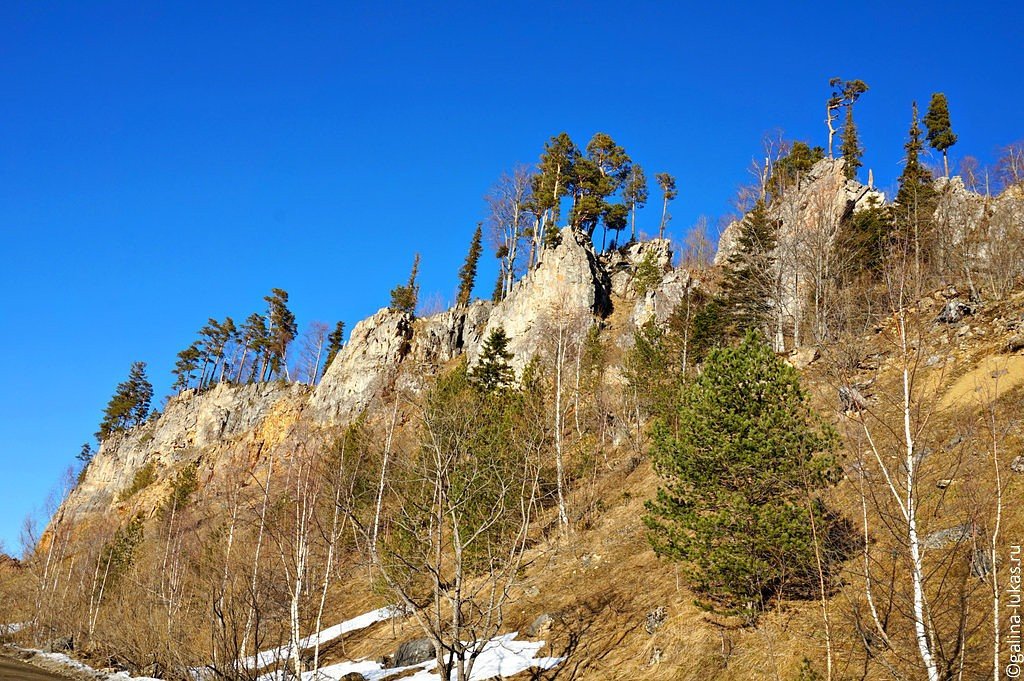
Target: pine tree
point(668, 192)
point(791, 168)
point(335, 341)
point(188, 362)
point(915, 198)
point(404, 298)
point(129, 406)
point(254, 338)
point(635, 194)
point(556, 169)
point(850, 148)
point(844, 93)
point(85, 454)
point(467, 274)
point(750, 272)
point(940, 131)
point(494, 370)
point(739, 479)
point(281, 331)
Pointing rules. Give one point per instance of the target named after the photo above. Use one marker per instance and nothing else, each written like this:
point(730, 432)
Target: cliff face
point(227, 429)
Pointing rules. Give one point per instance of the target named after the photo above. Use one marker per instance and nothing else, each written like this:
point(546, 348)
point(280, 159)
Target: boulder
point(412, 652)
point(953, 311)
point(540, 626)
point(802, 358)
point(850, 399)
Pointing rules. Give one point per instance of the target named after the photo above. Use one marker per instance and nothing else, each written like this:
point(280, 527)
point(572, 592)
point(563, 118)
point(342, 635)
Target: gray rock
point(412, 652)
point(981, 563)
point(568, 287)
point(804, 357)
point(948, 537)
point(953, 311)
point(850, 399)
point(1017, 465)
point(364, 367)
point(540, 626)
point(655, 618)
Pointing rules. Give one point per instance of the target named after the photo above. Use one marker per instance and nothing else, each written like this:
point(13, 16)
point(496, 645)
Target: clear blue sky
point(165, 162)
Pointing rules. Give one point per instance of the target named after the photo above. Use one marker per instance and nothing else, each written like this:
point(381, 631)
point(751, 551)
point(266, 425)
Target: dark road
point(12, 670)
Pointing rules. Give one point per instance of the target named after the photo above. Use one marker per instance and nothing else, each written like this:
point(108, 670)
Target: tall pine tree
point(129, 406)
point(493, 370)
point(467, 274)
point(915, 199)
point(335, 341)
point(740, 474)
point(940, 131)
point(851, 148)
point(749, 285)
point(404, 298)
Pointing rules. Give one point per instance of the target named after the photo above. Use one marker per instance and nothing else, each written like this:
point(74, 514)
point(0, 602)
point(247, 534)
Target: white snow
point(268, 657)
point(71, 663)
point(501, 657)
point(11, 628)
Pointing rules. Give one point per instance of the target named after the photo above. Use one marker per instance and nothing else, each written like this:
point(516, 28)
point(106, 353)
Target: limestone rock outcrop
point(190, 424)
point(569, 283)
point(363, 367)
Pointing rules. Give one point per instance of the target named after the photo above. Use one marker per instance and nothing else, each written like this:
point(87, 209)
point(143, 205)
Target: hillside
point(213, 531)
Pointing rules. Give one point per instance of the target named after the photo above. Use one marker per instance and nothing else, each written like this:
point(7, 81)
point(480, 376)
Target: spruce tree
point(494, 370)
point(748, 286)
point(739, 482)
point(403, 298)
point(915, 199)
point(335, 341)
point(940, 131)
point(129, 406)
point(467, 274)
point(850, 148)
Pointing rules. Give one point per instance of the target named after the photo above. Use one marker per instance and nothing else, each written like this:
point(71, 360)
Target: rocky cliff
point(228, 428)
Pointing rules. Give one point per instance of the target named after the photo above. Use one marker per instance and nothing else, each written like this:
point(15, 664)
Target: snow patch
point(501, 657)
point(269, 657)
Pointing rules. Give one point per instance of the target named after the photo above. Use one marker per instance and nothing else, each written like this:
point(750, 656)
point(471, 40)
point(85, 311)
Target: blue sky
point(161, 163)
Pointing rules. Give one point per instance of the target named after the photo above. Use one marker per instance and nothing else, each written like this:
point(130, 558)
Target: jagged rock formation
point(190, 425)
point(569, 283)
point(388, 351)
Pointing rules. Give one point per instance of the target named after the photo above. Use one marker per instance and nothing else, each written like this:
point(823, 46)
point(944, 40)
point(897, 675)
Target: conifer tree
point(915, 198)
point(404, 298)
point(556, 169)
point(738, 502)
point(850, 148)
point(844, 93)
point(788, 170)
point(940, 131)
point(668, 192)
point(467, 274)
point(494, 370)
point(599, 175)
point(750, 272)
point(635, 194)
point(281, 331)
point(85, 454)
point(188, 362)
point(335, 341)
point(129, 406)
point(253, 338)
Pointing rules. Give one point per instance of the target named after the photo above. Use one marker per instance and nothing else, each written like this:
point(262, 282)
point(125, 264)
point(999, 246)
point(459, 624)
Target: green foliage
point(749, 282)
point(864, 238)
point(556, 169)
point(789, 169)
point(648, 274)
point(660, 360)
point(144, 477)
point(635, 194)
point(493, 371)
point(599, 175)
point(281, 329)
point(467, 274)
point(916, 197)
point(120, 552)
point(668, 193)
point(851, 149)
point(185, 366)
point(739, 477)
point(129, 405)
point(335, 341)
point(404, 298)
point(940, 131)
point(183, 486)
